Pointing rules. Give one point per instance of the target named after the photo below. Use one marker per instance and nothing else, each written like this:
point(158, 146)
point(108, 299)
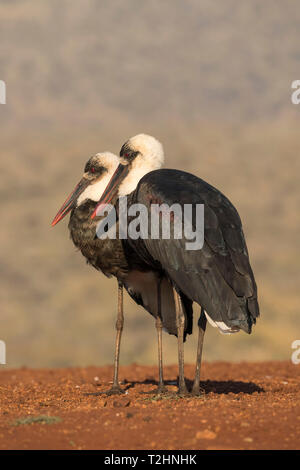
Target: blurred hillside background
point(212, 81)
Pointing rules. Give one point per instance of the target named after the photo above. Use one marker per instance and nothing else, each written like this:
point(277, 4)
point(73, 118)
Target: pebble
point(206, 434)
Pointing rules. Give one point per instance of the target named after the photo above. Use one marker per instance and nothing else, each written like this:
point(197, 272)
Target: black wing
point(218, 276)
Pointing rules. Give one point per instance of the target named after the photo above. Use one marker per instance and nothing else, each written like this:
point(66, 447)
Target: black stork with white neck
point(218, 276)
point(147, 286)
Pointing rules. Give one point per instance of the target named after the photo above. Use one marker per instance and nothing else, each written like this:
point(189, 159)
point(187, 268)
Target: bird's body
point(219, 276)
point(115, 257)
point(106, 255)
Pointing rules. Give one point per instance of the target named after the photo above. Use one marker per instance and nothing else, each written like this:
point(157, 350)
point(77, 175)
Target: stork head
point(142, 149)
point(138, 156)
point(97, 174)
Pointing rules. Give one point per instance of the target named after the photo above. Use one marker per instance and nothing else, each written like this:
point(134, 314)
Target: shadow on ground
point(221, 387)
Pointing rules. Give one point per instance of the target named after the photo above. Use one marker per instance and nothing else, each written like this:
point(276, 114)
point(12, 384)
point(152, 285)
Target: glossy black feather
point(218, 276)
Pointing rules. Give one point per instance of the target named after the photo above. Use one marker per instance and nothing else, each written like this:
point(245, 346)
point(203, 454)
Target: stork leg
point(116, 389)
point(158, 323)
point(201, 331)
point(180, 320)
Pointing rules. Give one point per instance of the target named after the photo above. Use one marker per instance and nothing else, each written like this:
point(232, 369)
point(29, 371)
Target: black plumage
point(218, 276)
point(104, 255)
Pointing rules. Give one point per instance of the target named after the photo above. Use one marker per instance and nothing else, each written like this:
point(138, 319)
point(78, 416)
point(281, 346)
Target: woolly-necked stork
point(148, 287)
point(218, 276)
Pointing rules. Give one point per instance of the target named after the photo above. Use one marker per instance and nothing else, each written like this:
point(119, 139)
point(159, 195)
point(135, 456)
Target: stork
point(218, 276)
point(147, 286)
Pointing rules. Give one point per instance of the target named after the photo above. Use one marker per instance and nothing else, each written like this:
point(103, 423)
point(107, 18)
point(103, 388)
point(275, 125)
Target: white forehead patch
point(107, 159)
point(94, 191)
point(150, 149)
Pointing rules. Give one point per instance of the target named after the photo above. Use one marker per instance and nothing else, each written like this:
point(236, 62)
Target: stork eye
point(93, 169)
point(126, 154)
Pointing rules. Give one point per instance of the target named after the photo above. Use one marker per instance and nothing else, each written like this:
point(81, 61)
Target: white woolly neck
point(135, 175)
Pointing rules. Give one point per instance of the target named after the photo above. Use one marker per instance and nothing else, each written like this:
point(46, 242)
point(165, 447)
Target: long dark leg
point(116, 389)
point(119, 328)
point(161, 387)
point(201, 331)
point(182, 390)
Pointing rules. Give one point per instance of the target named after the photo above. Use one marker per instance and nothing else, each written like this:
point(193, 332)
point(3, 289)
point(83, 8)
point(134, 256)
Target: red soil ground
point(245, 406)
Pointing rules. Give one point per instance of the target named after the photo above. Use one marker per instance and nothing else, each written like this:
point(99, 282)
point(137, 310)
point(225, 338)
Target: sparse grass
point(41, 419)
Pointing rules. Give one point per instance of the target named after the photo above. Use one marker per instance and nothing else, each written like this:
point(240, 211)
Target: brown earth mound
point(244, 406)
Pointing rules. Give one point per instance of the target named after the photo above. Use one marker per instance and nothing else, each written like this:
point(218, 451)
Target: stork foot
point(114, 390)
point(197, 391)
point(182, 390)
point(161, 390)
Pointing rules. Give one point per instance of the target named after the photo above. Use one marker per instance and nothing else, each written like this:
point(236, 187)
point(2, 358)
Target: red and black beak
point(111, 189)
point(70, 201)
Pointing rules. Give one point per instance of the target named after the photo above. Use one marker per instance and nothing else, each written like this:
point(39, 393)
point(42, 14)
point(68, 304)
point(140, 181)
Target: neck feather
point(136, 173)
